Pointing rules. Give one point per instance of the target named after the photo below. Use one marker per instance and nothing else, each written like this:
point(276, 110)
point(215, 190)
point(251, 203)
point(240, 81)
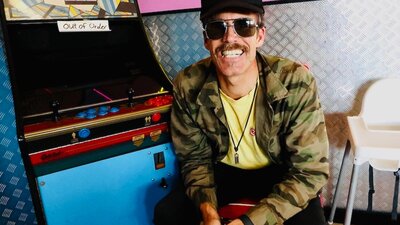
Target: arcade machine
point(92, 110)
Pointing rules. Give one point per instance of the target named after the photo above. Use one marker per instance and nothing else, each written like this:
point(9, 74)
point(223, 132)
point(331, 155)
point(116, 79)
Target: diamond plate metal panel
point(15, 200)
point(177, 40)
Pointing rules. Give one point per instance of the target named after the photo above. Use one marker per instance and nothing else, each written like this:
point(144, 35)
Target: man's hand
point(236, 222)
point(209, 214)
point(211, 217)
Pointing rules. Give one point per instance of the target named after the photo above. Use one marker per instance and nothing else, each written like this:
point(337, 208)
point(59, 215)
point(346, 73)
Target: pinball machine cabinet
point(92, 109)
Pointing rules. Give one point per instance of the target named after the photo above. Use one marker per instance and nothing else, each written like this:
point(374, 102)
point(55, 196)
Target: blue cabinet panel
point(119, 190)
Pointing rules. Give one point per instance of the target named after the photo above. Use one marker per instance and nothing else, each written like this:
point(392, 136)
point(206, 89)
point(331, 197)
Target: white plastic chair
point(374, 138)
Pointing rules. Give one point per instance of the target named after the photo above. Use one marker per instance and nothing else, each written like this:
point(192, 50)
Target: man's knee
point(312, 215)
point(161, 213)
point(175, 209)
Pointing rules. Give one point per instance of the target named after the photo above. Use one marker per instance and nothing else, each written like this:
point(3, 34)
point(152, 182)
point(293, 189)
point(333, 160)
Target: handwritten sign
point(83, 26)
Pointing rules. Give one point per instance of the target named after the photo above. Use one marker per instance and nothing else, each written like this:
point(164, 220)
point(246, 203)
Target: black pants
point(232, 183)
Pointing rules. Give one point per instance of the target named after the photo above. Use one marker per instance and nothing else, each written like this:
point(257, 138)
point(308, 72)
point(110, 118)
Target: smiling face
point(233, 55)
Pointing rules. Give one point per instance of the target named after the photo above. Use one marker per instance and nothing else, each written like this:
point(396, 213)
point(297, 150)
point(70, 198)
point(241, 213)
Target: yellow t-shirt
point(249, 153)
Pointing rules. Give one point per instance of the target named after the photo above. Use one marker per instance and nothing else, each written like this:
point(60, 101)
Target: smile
point(232, 53)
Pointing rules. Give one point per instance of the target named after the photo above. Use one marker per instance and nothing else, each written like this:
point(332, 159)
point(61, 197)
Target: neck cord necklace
point(236, 147)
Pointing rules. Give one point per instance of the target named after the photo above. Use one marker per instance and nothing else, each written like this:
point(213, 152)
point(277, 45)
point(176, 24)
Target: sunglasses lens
point(245, 27)
point(215, 30)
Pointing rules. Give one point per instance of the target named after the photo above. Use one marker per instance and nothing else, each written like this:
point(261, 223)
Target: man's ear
point(261, 36)
point(206, 41)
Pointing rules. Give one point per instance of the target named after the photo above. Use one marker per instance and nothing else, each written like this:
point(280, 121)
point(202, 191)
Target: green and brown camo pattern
point(290, 128)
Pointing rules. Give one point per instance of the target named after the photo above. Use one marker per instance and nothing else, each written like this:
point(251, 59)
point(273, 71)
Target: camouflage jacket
point(290, 128)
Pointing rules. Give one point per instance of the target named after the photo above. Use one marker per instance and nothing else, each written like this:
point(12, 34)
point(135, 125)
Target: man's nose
point(230, 33)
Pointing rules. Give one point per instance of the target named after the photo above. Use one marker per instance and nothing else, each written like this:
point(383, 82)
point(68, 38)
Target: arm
point(209, 214)
point(193, 150)
point(303, 138)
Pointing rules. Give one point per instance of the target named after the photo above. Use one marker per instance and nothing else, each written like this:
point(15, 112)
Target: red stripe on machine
point(62, 152)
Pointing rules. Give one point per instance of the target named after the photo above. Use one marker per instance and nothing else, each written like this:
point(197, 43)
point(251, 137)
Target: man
point(245, 126)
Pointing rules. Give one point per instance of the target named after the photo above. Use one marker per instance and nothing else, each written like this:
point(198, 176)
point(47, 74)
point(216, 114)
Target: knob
point(130, 97)
point(55, 106)
point(163, 183)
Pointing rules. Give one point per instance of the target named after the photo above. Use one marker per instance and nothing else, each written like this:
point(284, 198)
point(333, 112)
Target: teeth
point(232, 53)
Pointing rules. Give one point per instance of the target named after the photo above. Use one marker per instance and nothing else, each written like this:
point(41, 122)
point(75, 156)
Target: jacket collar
point(275, 89)
point(209, 93)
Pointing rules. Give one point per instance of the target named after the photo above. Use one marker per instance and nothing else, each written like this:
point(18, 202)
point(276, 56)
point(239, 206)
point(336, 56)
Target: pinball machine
point(92, 110)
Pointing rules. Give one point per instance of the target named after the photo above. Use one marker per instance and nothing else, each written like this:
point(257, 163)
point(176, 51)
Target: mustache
point(230, 46)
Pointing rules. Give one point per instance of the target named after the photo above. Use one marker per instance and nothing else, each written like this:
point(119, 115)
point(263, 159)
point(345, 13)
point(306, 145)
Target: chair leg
point(371, 188)
point(352, 193)
point(395, 196)
point(339, 183)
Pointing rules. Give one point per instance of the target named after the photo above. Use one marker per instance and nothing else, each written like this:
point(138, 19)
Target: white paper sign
point(83, 26)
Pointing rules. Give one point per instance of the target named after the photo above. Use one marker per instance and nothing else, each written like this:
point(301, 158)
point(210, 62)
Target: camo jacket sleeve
point(300, 142)
point(192, 147)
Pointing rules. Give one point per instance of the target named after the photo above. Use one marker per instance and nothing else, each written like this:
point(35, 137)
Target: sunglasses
point(216, 29)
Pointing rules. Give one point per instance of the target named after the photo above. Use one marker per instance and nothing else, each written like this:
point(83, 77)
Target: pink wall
point(149, 6)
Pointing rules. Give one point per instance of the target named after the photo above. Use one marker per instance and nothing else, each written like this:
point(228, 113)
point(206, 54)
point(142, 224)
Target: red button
point(156, 117)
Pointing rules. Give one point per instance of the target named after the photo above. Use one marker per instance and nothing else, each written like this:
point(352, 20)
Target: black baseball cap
point(211, 7)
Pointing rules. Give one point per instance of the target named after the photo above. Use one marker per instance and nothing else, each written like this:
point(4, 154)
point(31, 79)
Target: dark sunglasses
point(243, 27)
